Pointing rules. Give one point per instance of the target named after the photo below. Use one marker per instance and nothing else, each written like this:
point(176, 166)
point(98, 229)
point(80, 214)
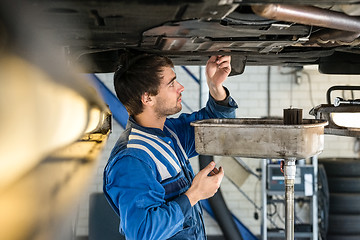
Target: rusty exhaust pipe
point(309, 15)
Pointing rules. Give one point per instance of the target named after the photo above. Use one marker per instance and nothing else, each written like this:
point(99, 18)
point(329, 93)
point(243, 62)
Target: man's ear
point(146, 99)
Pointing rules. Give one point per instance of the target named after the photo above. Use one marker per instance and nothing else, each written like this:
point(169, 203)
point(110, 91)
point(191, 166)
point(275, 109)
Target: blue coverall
point(149, 170)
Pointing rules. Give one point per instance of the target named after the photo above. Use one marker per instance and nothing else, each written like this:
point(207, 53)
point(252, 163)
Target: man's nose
point(180, 88)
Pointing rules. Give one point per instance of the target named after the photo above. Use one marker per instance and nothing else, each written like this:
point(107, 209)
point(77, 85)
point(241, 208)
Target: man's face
point(168, 100)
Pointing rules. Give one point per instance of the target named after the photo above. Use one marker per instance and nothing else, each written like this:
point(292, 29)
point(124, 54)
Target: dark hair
point(136, 75)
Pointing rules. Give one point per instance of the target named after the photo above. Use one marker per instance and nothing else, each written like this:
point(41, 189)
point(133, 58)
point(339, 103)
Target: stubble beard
point(163, 111)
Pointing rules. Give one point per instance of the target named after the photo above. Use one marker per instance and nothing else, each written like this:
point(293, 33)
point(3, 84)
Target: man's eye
point(172, 83)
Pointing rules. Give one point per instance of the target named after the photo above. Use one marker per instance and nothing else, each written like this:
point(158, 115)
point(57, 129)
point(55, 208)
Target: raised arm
point(218, 69)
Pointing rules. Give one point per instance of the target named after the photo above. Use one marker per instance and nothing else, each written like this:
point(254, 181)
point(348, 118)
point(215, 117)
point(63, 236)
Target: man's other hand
point(205, 184)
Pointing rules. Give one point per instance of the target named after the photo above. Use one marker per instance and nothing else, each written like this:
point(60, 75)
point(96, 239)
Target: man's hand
point(205, 184)
point(218, 69)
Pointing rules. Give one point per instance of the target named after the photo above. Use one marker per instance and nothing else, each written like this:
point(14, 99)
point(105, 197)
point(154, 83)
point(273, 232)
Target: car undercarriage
point(95, 33)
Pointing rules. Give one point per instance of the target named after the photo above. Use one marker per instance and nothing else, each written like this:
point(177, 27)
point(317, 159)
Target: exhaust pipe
point(309, 15)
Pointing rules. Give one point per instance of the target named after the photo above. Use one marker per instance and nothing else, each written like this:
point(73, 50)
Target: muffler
point(309, 15)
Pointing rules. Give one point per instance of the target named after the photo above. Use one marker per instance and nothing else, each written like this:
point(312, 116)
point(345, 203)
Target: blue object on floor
point(245, 232)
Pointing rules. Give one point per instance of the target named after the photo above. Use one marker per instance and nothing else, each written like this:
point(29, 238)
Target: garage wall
point(250, 92)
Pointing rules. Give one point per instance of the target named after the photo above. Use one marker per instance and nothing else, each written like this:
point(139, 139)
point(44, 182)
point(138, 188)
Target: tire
point(341, 167)
point(344, 185)
point(345, 224)
point(348, 203)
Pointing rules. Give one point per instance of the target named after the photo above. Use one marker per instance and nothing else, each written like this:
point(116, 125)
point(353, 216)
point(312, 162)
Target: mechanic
point(148, 179)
